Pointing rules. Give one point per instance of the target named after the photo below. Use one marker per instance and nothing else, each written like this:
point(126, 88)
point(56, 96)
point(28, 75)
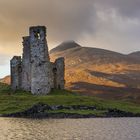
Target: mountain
point(100, 72)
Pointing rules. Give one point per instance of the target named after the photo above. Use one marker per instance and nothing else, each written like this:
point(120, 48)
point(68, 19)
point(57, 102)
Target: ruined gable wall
point(16, 72)
point(40, 62)
point(59, 73)
point(26, 65)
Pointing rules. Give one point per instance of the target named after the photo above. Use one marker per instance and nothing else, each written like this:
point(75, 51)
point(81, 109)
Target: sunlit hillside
point(100, 72)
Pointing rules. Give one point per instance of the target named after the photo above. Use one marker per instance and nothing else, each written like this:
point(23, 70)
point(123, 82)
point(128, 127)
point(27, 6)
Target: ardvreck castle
point(34, 72)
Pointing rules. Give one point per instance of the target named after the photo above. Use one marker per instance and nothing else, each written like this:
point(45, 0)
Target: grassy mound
point(12, 102)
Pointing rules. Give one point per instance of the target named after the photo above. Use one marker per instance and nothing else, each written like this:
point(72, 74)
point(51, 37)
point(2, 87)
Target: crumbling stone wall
point(16, 72)
point(35, 72)
point(26, 64)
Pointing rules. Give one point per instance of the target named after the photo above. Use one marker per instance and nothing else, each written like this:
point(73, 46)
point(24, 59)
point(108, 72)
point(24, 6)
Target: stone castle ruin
point(34, 72)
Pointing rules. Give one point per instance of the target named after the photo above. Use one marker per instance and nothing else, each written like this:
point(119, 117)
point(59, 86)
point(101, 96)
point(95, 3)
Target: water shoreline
point(45, 111)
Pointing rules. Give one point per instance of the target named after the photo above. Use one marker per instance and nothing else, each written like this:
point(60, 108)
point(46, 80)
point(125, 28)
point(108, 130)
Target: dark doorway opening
point(55, 77)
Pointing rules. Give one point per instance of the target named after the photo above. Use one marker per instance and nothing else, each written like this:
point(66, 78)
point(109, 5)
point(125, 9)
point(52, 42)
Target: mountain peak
point(70, 42)
point(65, 46)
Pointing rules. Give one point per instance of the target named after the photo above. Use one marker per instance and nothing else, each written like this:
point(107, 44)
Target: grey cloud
point(126, 8)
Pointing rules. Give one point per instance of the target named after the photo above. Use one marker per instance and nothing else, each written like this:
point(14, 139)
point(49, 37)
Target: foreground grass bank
point(19, 101)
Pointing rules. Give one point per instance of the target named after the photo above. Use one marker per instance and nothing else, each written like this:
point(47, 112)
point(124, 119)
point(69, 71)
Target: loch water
point(70, 129)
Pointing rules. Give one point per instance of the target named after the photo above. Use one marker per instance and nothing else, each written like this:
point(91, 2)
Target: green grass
point(80, 112)
point(11, 102)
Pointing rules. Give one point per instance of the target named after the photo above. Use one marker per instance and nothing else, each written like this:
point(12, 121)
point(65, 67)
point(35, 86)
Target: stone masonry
point(34, 72)
point(16, 72)
point(26, 67)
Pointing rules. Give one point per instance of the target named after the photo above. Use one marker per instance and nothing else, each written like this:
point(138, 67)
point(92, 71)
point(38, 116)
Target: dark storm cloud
point(118, 24)
point(64, 18)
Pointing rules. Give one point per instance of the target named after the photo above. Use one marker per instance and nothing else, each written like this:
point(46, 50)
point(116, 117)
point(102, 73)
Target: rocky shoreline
point(43, 111)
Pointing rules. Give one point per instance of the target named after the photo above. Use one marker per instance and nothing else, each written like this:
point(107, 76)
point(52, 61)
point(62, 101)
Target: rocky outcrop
point(119, 113)
point(43, 111)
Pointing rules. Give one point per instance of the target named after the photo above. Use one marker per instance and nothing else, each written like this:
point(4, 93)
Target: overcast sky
point(108, 24)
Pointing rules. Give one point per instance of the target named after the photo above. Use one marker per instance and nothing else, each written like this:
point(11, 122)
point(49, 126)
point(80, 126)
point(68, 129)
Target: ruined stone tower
point(35, 72)
point(40, 62)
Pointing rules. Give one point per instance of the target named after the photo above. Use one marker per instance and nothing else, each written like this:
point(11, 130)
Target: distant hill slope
point(5, 80)
point(100, 72)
